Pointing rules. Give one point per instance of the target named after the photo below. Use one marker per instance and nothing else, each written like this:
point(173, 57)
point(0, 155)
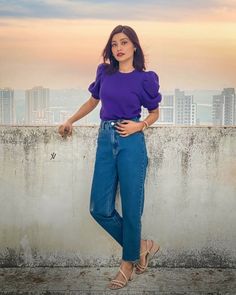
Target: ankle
point(127, 264)
point(143, 243)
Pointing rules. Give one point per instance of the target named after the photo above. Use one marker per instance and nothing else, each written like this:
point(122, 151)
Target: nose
point(118, 47)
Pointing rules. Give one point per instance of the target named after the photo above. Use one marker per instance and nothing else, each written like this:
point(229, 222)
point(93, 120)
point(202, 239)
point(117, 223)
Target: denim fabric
point(124, 160)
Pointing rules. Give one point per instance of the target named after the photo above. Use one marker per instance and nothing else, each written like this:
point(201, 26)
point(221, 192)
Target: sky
point(58, 43)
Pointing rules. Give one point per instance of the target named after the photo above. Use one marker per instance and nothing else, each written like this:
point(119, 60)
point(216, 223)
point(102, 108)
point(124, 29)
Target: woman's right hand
point(65, 129)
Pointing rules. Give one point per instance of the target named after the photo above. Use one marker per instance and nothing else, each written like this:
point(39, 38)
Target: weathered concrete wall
point(190, 198)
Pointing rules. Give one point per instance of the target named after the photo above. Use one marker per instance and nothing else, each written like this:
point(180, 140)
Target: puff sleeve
point(150, 96)
point(94, 87)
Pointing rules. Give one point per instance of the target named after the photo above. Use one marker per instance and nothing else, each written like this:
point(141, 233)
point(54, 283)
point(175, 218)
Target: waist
point(108, 124)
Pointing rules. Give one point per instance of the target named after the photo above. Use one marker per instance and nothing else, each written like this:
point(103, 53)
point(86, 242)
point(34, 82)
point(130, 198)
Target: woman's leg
point(104, 187)
point(103, 191)
point(132, 163)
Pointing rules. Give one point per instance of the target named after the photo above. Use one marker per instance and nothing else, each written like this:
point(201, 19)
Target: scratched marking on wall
point(53, 156)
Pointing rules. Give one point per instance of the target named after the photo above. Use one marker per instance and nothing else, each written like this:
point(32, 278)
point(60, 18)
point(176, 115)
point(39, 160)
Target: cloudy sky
point(58, 43)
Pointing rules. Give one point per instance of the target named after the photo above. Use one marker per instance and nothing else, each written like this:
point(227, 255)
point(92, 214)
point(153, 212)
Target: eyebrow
point(120, 39)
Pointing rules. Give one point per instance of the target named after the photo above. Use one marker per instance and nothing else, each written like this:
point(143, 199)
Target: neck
point(126, 67)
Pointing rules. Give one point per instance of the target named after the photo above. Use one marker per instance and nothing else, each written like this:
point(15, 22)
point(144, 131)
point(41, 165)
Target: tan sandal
point(121, 284)
point(149, 254)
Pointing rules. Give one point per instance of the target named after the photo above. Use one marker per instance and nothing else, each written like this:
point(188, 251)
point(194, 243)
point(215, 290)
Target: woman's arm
point(127, 127)
point(151, 118)
point(87, 107)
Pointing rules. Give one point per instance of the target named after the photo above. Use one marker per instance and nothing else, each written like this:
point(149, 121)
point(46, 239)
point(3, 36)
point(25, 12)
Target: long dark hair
point(138, 61)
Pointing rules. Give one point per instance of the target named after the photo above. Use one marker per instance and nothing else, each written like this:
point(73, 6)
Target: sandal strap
point(147, 250)
point(143, 253)
point(151, 246)
point(118, 283)
point(126, 280)
point(140, 267)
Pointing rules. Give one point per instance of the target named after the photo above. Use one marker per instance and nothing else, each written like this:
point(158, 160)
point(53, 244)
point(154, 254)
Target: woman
point(123, 87)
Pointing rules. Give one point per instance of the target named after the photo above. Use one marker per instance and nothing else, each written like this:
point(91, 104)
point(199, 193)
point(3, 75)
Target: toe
point(113, 286)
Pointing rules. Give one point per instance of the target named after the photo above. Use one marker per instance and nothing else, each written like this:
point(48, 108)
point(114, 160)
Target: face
point(120, 43)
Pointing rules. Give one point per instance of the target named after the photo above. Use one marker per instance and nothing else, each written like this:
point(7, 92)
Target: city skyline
point(58, 43)
point(40, 105)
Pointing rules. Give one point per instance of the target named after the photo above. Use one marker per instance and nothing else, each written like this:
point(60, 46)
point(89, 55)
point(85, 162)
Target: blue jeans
point(122, 159)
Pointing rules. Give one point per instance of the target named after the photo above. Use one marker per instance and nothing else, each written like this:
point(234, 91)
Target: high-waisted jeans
point(124, 160)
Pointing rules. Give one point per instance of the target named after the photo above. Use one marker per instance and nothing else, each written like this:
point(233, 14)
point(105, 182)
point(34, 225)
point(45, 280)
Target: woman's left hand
point(127, 127)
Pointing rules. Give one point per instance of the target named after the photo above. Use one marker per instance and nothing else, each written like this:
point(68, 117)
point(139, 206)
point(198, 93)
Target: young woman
point(123, 87)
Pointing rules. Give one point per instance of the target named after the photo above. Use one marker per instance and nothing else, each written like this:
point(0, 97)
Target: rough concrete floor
point(88, 280)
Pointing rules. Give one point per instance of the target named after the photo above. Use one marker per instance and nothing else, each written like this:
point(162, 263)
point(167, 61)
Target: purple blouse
point(123, 94)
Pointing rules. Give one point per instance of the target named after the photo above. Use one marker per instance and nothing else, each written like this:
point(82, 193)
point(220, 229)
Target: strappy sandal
point(121, 284)
point(149, 254)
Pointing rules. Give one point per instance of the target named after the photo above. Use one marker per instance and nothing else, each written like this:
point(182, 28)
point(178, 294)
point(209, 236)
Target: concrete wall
point(190, 198)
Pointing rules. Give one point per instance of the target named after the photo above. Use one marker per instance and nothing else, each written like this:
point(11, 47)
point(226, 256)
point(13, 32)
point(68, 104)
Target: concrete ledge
point(74, 281)
point(189, 199)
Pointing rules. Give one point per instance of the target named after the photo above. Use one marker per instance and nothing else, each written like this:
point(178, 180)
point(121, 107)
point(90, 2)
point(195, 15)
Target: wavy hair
point(138, 60)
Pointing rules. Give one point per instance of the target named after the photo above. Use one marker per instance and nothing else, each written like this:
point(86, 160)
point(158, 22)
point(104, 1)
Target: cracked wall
point(190, 197)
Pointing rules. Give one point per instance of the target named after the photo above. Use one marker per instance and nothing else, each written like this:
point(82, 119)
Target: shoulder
point(101, 67)
point(150, 76)
point(150, 82)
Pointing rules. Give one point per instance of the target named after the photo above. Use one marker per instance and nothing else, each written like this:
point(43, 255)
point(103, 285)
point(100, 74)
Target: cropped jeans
point(124, 160)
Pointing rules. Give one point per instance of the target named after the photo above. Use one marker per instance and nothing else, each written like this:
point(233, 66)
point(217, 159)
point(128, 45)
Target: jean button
point(112, 123)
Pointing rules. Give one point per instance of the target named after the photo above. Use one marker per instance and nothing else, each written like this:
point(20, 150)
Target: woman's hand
point(127, 127)
point(65, 129)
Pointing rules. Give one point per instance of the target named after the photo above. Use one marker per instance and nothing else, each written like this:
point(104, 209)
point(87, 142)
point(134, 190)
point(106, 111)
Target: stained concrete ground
point(88, 280)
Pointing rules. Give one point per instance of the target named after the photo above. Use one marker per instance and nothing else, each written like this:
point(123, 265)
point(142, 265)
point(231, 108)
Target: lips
point(120, 54)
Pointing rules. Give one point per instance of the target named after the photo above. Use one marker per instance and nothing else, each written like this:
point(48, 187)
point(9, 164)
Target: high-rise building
point(217, 109)
point(194, 120)
point(223, 108)
point(166, 110)
point(37, 105)
point(7, 106)
point(229, 106)
point(185, 109)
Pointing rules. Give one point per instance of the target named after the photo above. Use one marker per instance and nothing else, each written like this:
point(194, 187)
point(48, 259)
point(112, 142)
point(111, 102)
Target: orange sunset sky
point(57, 44)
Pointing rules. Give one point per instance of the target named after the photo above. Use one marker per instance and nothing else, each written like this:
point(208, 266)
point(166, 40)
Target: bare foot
point(127, 268)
